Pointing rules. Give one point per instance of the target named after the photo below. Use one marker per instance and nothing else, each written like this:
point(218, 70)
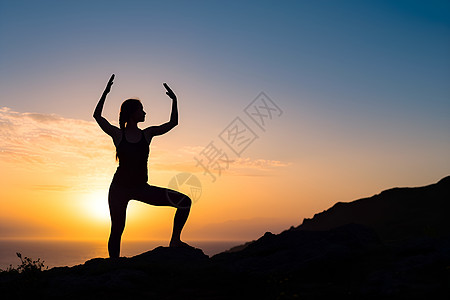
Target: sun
point(96, 206)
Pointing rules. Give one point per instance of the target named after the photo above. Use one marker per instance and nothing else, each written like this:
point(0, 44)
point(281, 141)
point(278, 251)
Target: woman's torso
point(133, 158)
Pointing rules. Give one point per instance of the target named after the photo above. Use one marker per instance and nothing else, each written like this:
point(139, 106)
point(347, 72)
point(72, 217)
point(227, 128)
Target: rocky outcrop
point(397, 213)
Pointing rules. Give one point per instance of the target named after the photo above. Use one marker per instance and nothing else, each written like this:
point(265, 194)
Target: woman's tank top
point(133, 159)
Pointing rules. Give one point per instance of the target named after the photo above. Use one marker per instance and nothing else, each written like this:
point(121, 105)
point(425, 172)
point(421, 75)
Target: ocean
point(59, 253)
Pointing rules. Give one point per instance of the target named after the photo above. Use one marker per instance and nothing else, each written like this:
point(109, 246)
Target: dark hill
point(394, 214)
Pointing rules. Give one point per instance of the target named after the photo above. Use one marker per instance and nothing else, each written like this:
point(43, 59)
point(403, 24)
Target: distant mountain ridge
point(397, 213)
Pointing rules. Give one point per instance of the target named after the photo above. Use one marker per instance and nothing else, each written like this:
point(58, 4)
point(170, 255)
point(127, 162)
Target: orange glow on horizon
point(56, 174)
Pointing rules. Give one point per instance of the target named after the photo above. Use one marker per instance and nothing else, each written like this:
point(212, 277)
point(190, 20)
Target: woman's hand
point(101, 102)
point(169, 92)
point(110, 83)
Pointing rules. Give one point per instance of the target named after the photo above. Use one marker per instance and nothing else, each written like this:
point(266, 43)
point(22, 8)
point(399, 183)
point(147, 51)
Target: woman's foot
point(179, 244)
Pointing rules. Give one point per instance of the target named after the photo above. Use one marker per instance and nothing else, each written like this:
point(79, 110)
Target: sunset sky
point(359, 92)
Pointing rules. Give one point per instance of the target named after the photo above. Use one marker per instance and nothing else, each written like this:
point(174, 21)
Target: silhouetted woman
point(130, 180)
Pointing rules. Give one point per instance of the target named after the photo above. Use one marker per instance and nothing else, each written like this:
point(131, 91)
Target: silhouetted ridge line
point(396, 213)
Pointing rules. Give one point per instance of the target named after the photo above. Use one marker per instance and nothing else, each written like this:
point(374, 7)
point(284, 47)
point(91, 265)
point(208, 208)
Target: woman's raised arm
point(109, 129)
point(163, 128)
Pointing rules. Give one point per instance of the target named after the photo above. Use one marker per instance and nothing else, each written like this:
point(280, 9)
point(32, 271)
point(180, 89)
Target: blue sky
point(346, 73)
point(347, 52)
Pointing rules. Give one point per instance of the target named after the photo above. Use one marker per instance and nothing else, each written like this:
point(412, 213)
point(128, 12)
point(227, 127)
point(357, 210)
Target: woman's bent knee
point(185, 203)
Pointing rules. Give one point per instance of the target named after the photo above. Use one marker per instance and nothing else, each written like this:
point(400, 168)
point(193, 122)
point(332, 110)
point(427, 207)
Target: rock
point(395, 214)
point(292, 250)
point(169, 254)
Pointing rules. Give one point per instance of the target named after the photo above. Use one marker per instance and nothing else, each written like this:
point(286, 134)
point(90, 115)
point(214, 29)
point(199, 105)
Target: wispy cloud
point(51, 143)
point(183, 161)
point(79, 148)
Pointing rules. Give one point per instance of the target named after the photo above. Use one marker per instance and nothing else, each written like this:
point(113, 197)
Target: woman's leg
point(118, 202)
point(181, 216)
point(159, 196)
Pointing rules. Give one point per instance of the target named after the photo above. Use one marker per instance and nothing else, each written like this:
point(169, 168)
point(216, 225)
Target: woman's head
point(131, 109)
